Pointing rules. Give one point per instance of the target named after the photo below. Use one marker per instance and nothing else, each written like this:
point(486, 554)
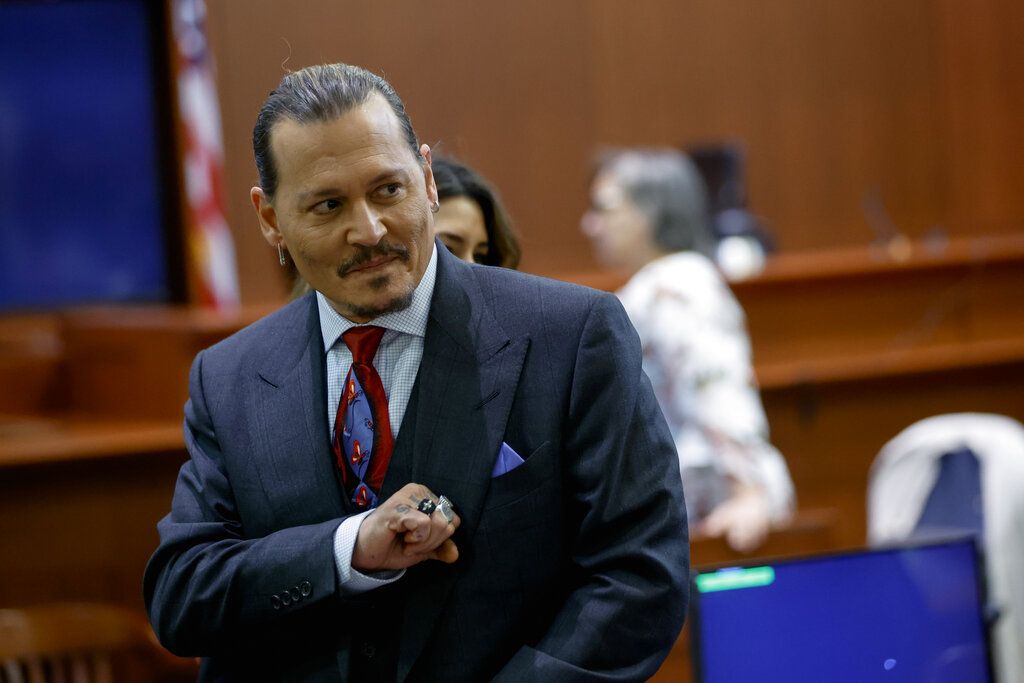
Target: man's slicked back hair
point(318, 94)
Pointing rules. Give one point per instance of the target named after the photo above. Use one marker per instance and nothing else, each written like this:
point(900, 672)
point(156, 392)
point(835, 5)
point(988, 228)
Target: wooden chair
point(83, 643)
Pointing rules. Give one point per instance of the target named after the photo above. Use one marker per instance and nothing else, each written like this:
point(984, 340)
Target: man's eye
point(389, 191)
point(480, 257)
point(326, 206)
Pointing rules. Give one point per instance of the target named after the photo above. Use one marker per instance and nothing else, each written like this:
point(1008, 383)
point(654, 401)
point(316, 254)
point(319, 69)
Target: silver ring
point(444, 506)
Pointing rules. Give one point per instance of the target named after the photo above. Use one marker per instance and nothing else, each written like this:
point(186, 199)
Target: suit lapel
point(464, 391)
point(293, 453)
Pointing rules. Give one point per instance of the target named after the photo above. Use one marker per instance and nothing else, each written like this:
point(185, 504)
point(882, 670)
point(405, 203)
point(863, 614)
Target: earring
point(435, 206)
point(280, 256)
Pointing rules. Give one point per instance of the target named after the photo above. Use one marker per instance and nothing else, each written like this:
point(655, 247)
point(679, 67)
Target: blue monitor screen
point(896, 615)
point(82, 206)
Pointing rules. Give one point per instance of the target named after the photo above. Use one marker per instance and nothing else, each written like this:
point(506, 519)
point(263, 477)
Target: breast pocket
point(518, 539)
point(517, 485)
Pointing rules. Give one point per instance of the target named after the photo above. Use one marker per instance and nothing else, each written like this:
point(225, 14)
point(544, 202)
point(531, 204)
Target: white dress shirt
point(397, 362)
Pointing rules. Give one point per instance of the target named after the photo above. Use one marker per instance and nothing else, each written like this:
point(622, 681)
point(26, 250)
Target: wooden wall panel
point(980, 54)
point(824, 96)
point(918, 102)
point(501, 85)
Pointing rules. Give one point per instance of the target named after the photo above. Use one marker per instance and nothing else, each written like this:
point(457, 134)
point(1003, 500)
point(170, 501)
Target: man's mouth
point(372, 259)
point(372, 264)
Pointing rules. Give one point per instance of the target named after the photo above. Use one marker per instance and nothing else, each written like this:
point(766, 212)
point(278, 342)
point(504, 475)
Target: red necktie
point(362, 429)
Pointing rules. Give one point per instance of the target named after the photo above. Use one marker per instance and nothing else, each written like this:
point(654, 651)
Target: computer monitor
point(898, 614)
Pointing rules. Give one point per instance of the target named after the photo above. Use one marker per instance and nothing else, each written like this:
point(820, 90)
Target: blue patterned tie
point(362, 428)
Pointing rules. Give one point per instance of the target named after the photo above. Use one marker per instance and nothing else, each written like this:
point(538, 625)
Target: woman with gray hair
point(649, 216)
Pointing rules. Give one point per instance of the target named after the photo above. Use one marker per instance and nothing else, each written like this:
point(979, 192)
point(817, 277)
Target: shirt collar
point(411, 320)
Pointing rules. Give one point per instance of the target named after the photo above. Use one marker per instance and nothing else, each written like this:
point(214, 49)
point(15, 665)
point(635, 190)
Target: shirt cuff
point(351, 580)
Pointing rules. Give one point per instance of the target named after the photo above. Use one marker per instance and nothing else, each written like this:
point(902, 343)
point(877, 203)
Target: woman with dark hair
point(471, 222)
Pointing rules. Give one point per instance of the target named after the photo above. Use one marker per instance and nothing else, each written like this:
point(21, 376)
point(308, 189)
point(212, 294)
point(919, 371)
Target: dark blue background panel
point(81, 200)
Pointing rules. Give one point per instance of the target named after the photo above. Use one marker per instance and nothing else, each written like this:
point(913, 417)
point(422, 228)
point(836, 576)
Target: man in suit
point(518, 514)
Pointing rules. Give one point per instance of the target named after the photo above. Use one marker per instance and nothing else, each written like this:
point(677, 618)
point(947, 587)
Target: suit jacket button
point(275, 601)
point(296, 595)
point(285, 598)
point(306, 588)
point(369, 650)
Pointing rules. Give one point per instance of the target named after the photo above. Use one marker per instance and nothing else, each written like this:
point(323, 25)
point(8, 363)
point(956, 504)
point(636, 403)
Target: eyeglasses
point(605, 204)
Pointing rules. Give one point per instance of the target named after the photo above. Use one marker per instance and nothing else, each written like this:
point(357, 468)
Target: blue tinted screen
point(900, 615)
point(81, 206)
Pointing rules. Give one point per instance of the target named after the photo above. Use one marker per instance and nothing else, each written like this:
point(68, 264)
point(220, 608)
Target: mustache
point(366, 254)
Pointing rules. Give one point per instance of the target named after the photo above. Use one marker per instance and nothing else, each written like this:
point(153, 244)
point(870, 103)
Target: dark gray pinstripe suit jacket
point(573, 566)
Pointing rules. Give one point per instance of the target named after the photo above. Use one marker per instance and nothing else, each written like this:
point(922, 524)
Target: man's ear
point(267, 217)
point(428, 173)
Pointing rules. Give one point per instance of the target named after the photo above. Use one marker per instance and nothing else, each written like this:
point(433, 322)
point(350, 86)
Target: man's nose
point(365, 227)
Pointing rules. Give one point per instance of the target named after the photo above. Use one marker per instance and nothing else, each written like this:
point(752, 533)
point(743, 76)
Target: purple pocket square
point(507, 461)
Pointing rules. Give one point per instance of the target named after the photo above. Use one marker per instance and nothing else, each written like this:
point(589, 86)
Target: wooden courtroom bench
point(79, 502)
point(853, 344)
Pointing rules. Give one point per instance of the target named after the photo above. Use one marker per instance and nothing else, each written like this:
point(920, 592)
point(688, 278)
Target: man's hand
point(397, 535)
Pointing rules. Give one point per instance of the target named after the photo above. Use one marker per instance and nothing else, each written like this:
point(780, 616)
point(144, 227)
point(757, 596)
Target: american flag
point(209, 248)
